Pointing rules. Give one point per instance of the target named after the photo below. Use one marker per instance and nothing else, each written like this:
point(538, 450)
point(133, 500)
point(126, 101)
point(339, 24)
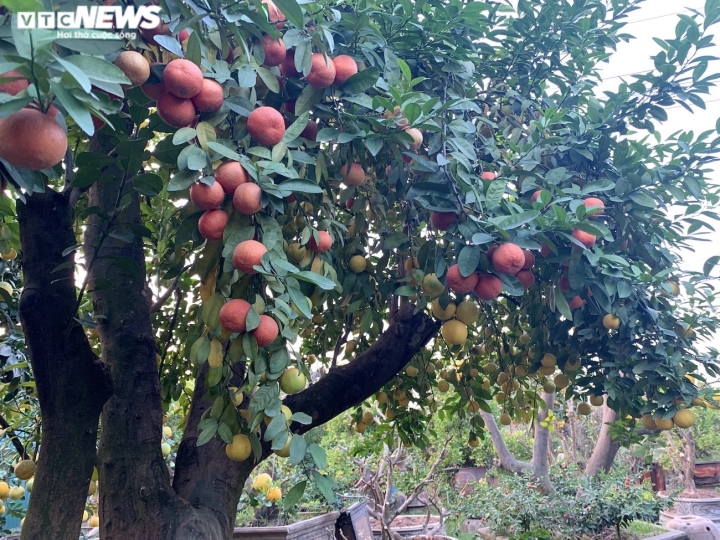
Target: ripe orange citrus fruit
point(458, 283)
point(586, 239)
point(345, 67)
point(596, 204)
point(354, 178)
point(266, 332)
point(134, 66)
point(576, 302)
point(442, 220)
point(230, 175)
point(529, 259)
point(207, 197)
point(287, 66)
point(322, 73)
point(266, 126)
point(233, 315)
point(324, 245)
point(212, 224)
point(239, 449)
point(247, 198)
point(175, 111)
point(13, 87)
point(32, 140)
point(508, 259)
point(310, 132)
point(210, 97)
point(416, 134)
point(488, 287)
point(454, 332)
point(248, 254)
point(526, 277)
point(274, 49)
point(183, 78)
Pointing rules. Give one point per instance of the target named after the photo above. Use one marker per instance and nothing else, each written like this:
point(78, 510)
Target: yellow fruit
point(357, 264)
point(473, 406)
point(389, 414)
point(431, 286)
point(490, 368)
point(505, 419)
point(350, 346)
point(549, 387)
point(25, 469)
point(500, 397)
point(274, 495)
point(17, 493)
point(561, 381)
point(549, 360)
point(292, 381)
point(684, 418)
point(215, 357)
point(29, 485)
point(285, 452)
point(411, 263)
point(443, 386)
point(239, 449)
point(165, 449)
point(92, 488)
point(584, 408)
point(473, 442)
point(412, 371)
point(236, 395)
point(648, 422)
point(5, 286)
point(596, 401)
point(547, 370)
point(443, 314)
point(94, 521)
point(167, 431)
point(262, 482)
point(474, 372)
point(367, 417)
point(502, 377)
point(467, 312)
point(4, 490)
point(664, 423)
point(454, 332)
point(2, 509)
point(430, 368)
point(611, 322)
point(95, 475)
point(360, 427)
point(9, 256)
point(570, 366)
point(486, 384)
point(381, 398)
point(520, 371)
point(674, 287)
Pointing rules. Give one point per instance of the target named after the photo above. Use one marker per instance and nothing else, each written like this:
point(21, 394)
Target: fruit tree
point(269, 212)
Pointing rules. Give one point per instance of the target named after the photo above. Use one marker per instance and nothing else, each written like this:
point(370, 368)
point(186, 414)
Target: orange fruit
point(526, 277)
point(442, 220)
point(266, 126)
point(274, 495)
point(488, 287)
point(183, 78)
point(148, 34)
point(416, 134)
point(594, 202)
point(233, 315)
point(529, 259)
point(508, 259)
point(576, 302)
point(310, 133)
point(274, 14)
point(246, 198)
point(32, 140)
point(175, 111)
point(230, 175)
point(207, 197)
point(459, 284)
point(248, 254)
point(13, 87)
point(212, 224)
point(345, 67)
point(354, 178)
point(325, 244)
point(275, 51)
point(586, 239)
point(536, 195)
point(287, 66)
point(266, 332)
point(134, 66)
point(488, 176)
point(210, 97)
point(322, 73)
point(564, 283)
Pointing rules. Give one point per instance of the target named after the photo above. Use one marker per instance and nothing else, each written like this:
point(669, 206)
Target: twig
point(163, 298)
point(342, 340)
point(13, 438)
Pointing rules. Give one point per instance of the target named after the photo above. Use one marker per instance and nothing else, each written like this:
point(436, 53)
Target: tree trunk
point(605, 448)
point(136, 499)
point(541, 446)
point(689, 462)
point(506, 460)
point(72, 384)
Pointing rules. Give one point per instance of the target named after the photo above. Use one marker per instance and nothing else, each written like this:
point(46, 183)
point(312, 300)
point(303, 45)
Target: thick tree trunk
point(541, 446)
point(605, 448)
point(689, 462)
point(71, 382)
point(136, 499)
point(506, 460)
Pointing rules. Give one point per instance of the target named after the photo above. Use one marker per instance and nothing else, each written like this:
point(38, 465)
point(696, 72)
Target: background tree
point(439, 149)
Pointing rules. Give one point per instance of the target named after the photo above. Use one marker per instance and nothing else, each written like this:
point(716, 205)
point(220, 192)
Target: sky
point(657, 18)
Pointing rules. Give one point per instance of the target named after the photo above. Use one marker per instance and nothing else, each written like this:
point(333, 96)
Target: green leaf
point(184, 135)
point(294, 495)
point(506, 223)
point(561, 303)
point(277, 425)
point(74, 107)
point(194, 49)
point(75, 72)
point(495, 193)
point(292, 11)
point(710, 264)
point(253, 320)
point(182, 180)
point(311, 277)
point(224, 150)
point(22, 5)
point(318, 455)
point(269, 79)
point(643, 199)
point(299, 185)
point(297, 127)
point(405, 290)
point(278, 361)
point(325, 485)
point(468, 260)
point(300, 300)
point(603, 184)
point(225, 433)
point(301, 418)
point(207, 434)
point(308, 98)
point(298, 448)
point(361, 81)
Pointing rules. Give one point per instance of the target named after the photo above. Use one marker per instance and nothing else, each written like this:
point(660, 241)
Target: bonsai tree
point(404, 194)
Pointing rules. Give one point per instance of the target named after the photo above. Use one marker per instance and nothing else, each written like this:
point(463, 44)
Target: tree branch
point(160, 302)
point(507, 461)
point(13, 438)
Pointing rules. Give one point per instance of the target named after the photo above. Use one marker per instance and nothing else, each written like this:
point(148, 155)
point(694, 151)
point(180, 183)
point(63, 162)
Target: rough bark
point(204, 476)
point(689, 462)
point(506, 460)
point(136, 499)
point(605, 448)
point(541, 446)
point(72, 384)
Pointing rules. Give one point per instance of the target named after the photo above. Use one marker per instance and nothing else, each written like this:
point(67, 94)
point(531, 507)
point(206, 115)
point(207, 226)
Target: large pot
point(707, 473)
point(705, 508)
point(465, 477)
point(317, 528)
point(354, 523)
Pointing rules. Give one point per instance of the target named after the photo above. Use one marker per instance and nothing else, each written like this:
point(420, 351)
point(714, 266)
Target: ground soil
point(406, 521)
